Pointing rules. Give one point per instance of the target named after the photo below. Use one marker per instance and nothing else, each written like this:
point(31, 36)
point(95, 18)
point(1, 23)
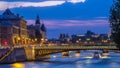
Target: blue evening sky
point(63, 16)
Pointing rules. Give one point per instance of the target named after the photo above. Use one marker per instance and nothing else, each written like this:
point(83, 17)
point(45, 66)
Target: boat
point(96, 55)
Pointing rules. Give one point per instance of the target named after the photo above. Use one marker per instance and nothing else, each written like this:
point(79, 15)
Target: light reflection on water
point(18, 65)
point(85, 60)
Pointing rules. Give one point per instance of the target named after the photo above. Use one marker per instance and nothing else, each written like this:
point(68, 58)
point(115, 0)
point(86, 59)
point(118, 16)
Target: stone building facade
point(13, 29)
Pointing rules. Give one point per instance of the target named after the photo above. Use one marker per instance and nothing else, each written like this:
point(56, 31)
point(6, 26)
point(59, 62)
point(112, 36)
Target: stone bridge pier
point(39, 54)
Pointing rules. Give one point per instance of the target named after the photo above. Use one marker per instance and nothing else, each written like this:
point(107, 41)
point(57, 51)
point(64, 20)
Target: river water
point(82, 60)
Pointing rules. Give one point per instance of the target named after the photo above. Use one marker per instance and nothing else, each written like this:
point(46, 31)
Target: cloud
point(75, 1)
point(102, 17)
point(4, 5)
point(52, 24)
point(46, 3)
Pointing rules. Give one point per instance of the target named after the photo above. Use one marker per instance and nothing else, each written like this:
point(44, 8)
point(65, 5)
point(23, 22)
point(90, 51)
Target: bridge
point(40, 51)
point(36, 52)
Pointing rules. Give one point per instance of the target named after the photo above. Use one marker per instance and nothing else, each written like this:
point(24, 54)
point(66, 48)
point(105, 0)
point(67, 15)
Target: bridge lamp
point(88, 39)
point(77, 41)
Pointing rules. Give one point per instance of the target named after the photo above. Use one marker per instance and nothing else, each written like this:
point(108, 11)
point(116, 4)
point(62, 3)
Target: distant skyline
point(63, 16)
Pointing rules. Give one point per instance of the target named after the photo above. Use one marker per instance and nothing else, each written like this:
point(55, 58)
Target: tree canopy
point(114, 20)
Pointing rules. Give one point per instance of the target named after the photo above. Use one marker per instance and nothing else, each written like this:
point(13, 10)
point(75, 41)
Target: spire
point(37, 20)
point(8, 12)
point(43, 28)
point(38, 17)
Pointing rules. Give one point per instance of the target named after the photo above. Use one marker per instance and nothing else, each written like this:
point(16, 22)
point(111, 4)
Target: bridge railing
point(78, 47)
point(6, 54)
point(3, 51)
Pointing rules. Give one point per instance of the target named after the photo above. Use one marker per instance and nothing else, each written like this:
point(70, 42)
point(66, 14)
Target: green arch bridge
point(40, 51)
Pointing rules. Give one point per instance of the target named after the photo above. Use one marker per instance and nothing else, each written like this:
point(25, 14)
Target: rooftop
point(7, 14)
point(6, 24)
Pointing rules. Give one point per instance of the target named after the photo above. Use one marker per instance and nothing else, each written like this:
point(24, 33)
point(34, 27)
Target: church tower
point(43, 31)
point(37, 23)
point(37, 29)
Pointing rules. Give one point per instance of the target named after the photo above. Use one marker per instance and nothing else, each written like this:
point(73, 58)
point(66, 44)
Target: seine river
point(74, 60)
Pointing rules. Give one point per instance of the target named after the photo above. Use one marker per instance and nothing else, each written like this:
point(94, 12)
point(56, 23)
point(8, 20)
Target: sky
point(63, 16)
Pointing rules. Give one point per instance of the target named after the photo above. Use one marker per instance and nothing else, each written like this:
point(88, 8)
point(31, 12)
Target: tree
point(114, 20)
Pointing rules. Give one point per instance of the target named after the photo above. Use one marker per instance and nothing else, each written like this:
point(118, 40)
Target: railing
point(78, 47)
point(3, 51)
point(7, 54)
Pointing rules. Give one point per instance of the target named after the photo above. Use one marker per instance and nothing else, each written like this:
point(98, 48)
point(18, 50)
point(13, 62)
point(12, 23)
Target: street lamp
point(18, 40)
point(42, 39)
point(35, 39)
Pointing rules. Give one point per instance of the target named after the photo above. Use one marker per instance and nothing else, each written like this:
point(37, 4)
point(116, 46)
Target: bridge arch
point(41, 51)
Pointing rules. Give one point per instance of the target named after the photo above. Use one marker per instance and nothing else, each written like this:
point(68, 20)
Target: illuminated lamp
point(5, 43)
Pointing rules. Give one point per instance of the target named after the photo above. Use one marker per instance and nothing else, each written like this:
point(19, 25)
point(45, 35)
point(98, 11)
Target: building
point(64, 38)
point(31, 34)
point(87, 38)
point(13, 29)
point(37, 32)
